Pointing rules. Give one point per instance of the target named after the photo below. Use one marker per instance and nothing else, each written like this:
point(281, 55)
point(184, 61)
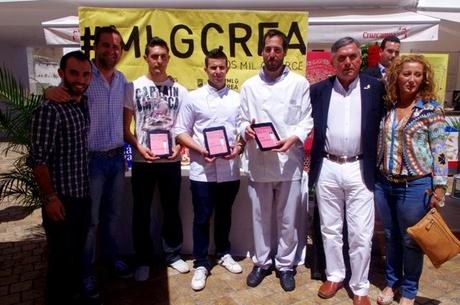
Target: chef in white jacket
point(281, 97)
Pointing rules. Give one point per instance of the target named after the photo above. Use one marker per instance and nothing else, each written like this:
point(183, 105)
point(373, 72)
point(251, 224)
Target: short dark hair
point(156, 41)
point(344, 41)
point(78, 55)
point(215, 54)
point(106, 30)
point(390, 39)
point(272, 33)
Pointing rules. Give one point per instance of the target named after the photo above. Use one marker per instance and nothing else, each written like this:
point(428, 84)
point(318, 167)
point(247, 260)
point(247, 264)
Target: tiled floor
point(22, 265)
point(437, 286)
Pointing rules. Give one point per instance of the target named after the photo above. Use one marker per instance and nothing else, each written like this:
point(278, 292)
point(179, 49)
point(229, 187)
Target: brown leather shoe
point(328, 289)
point(361, 300)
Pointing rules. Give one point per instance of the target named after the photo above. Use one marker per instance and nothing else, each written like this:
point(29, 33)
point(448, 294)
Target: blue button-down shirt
point(105, 103)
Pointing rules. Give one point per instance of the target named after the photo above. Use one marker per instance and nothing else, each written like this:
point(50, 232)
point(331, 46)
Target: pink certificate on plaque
point(216, 141)
point(266, 136)
point(159, 144)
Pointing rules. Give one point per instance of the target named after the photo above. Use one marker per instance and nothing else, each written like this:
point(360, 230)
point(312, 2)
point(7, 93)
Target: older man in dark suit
point(346, 112)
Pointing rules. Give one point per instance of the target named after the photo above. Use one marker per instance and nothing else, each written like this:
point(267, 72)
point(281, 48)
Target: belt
point(108, 153)
point(403, 179)
point(342, 159)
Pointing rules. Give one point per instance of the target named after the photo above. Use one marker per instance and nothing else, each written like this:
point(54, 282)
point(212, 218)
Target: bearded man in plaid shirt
point(59, 160)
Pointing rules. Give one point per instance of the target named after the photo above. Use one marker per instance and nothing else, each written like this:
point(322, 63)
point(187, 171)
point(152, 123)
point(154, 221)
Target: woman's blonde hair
point(426, 90)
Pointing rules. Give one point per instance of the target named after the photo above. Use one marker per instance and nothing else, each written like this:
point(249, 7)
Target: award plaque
point(159, 142)
point(216, 141)
point(266, 136)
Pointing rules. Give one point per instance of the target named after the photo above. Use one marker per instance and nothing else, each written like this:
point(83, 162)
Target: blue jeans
point(209, 197)
point(400, 206)
point(107, 189)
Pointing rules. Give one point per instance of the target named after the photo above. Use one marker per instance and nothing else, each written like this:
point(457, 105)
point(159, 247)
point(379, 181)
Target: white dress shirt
point(343, 133)
point(383, 71)
point(209, 107)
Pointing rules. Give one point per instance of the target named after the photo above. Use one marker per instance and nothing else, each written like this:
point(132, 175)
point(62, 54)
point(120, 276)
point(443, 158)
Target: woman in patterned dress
point(412, 170)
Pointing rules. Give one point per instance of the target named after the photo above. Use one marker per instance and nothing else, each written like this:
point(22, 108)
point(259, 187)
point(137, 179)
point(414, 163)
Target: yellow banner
point(439, 64)
point(190, 34)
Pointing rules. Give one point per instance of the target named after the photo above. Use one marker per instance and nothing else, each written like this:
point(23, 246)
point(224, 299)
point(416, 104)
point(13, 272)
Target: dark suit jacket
point(374, 71)
point(371, 112)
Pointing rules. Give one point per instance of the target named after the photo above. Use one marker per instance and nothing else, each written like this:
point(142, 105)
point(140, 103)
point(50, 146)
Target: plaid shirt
point(105, 102)
point(59, 140)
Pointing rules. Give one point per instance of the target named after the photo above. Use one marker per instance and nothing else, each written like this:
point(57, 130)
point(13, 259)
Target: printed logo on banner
point(190, 35)
point(134, 40)
point(128, 156)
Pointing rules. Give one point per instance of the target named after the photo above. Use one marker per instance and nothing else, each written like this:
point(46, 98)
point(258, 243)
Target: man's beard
point(72, 91)
point(273, 66)
point(101, 60)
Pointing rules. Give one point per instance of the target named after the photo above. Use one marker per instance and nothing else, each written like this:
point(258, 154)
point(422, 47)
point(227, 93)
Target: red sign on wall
point(319, 66)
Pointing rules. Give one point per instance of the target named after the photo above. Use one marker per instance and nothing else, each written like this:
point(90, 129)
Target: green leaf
point(454, 122)
point(18, 183)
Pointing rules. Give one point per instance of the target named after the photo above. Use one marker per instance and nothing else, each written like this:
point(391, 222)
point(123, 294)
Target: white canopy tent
point(368, 26)
point(63, 31)
point(443, 9)
point(324, 27)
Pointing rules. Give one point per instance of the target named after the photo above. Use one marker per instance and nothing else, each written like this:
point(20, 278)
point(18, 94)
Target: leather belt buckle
point(396, 180)
point(342, 159)
point(403, 179)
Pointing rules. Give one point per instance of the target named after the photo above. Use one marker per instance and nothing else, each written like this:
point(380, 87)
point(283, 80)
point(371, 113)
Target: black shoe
point(122, 270)
point(90, 290)
point(91, 301)
point(287, 280)
point(256, 276)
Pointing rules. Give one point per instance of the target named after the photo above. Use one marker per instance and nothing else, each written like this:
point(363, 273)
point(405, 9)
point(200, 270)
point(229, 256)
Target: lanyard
point(394, 124)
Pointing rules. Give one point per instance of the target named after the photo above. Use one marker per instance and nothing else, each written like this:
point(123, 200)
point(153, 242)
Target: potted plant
point(18, 182)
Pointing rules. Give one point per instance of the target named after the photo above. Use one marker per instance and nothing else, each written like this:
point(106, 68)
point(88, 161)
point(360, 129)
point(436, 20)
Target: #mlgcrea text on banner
point(190, 34)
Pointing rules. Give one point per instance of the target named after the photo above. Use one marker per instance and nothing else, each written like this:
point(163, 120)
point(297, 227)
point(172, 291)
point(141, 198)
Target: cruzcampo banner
point(190, 34)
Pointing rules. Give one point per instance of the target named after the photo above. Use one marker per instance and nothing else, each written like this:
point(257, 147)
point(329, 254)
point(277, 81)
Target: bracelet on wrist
point(441, 200)
point(49, 197)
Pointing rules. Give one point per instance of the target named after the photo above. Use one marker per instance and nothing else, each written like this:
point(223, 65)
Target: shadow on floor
point(128, 292)
point(14, 213)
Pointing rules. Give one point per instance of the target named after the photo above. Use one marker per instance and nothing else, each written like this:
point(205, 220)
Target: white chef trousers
point(340, 190)
point(302, 221)
point(280, 202)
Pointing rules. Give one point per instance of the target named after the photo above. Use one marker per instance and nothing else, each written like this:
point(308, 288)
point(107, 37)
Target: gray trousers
point(275, 208)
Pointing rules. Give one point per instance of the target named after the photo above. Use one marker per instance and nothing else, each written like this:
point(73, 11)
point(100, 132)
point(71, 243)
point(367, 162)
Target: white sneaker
point(199, 278)
point(180, 266)
point(228, 263)
point(142, 273)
